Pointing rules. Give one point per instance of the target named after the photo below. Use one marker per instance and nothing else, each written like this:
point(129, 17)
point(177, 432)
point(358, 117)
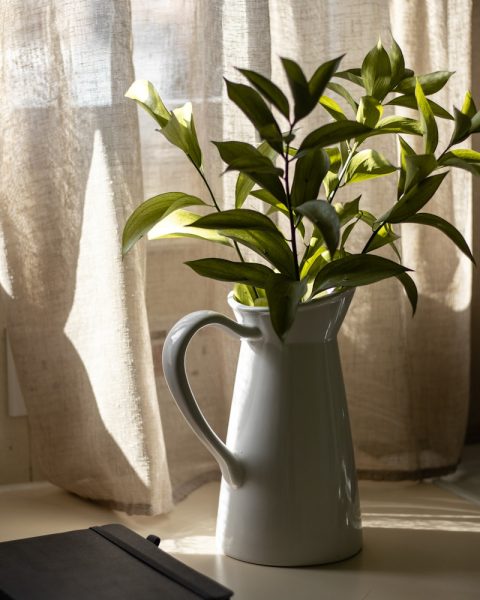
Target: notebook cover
point(106, 563)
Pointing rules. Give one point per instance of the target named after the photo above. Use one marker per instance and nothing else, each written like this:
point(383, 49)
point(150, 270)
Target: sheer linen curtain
point(71, 172)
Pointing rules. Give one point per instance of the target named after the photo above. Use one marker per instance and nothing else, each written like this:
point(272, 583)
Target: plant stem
point(290, 213)
point(343, 171)
point(371, 238)
point(235, 244)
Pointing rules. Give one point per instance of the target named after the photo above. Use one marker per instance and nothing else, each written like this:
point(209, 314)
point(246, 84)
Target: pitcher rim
point(328, 299)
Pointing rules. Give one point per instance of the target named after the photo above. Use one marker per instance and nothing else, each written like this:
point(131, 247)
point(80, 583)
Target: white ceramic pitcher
point(289, 492)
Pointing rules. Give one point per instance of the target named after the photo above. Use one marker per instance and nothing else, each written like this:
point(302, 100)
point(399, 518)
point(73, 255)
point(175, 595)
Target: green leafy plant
point(307, 255)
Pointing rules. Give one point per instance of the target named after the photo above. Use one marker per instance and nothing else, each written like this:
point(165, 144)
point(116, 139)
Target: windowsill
point(420, 542)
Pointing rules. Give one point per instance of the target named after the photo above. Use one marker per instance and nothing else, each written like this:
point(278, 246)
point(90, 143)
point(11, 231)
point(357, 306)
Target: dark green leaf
point(269, 244)
point(244, 183)
point(236, 218)
point(346, 234)
point(321, 77)
point(284, 296)
point(417, 168)
point(269, 90)
point(300, 90)
point(413, 200)
point(398, 124)
point(410, 289)
point(427, 121)
point(275, 205)
point(344, 93)
point(150, 212)
point(385, 235)
point(368, 164)
point(226, 270)
point(444, 226)
point(397, 63)
point(450, 160)
point(405, 150)
point(410, 101)
point(333, 133)
point(369, 111)
point(377, 72)
point(463, 124)
point(475, 128)
point(255, 109)
point(356, 270)
point(353, 75)
point(431, 83)
point(244, 157)
point(310, 170)
point(325, 218)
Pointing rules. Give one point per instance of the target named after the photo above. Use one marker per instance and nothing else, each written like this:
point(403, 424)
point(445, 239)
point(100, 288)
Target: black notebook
point(101, 563)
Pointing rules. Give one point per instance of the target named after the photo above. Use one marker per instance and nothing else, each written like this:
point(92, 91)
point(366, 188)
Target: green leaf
point(269, 244)
point(244, 157)
point(150, 212)
point(450, 160)
point(310, 170)
point(417, 168)
point(397, 63)
point(385, 235)
point(397, 124)
point(333, 108)
point(252, 274)
point(321, 77)
point(333, 133)
point(244, 294)
point(431, 83)
point(369, 111)
point(300, 90)
point(275, 205)
point(178, 225)
point(410, 289)
point(269, 90)
point(180, 131)
point(325, 218)
point(236, 218)
point(145, 94)
point(413, 200)
point(444, 226)
point(377, 72)
point(353, 75)
point(347, 211)
point(346, 234)
point(463, 125)
point(255, 109)
point(356, 270)
point(475, 128)
point(409, 101)
point(265, 177)
point(284, 296)
point(468, 107)
point(244, 183)
point(368, 164)
point(405, 150)
point(345, 94)
point(427, 121)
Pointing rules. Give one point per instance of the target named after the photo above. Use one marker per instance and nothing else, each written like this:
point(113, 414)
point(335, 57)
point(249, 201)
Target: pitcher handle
point(173, 359)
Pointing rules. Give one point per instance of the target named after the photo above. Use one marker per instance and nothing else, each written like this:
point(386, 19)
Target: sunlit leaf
point(418, 167)
point(244, 294)
point(244, 183)
point(333, 108)
point(463, 125)
point(178, 225)
point(150, 212)
point(377, 72)
point(145, 94)
point(468, 106)
point(431, 83)
point(427, 121)
point(368, 164)
point(369, 111)
point(347, 211)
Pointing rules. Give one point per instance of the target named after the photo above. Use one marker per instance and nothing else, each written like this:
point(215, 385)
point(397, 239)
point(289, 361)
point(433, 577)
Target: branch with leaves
point(301, 182)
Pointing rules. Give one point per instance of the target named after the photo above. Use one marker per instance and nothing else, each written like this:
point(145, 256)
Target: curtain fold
point(71, 173)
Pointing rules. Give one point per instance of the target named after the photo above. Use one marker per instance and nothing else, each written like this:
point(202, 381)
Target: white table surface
point(420, 543)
